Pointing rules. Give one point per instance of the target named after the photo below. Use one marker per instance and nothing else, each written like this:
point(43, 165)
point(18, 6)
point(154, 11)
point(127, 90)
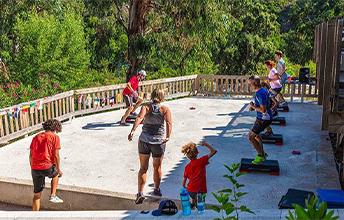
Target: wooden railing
point(239, 85)
point(73, 103)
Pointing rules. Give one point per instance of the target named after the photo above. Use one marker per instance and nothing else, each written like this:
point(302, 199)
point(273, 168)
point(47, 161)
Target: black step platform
point(270, 166)
point(272, 139)
point(279, 121)
point(131, 117)
point(283, 109)
point(294, 196)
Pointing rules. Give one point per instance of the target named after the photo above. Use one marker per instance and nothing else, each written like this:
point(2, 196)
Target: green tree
point(52, 46)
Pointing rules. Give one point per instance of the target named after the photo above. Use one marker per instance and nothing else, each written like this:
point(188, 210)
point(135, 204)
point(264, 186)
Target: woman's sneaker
point(259, 159)
point(157, 192)
point(55, 199)
point(133, 114)
point(139, 198)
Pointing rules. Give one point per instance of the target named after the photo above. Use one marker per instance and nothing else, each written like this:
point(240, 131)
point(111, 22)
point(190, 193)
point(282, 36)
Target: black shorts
point(277, 90)
point(130, 99)
point(260, 125)
point(38, 177)
point(157, 150)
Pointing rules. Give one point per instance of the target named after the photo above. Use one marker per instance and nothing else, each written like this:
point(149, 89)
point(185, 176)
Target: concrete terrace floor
point(96, 153)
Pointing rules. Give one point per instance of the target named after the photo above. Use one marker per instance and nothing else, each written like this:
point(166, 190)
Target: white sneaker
point(55, 199)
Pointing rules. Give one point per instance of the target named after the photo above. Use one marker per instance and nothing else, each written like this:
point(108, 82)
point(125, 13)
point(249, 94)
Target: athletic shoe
point(157, 192)
point(258, 160)
point(283, 104)
point(124, 124)
point(268, 133)
point(55, 199)
point(133, 114)
point(265, 155)
point(139, 198)
point(275, 113)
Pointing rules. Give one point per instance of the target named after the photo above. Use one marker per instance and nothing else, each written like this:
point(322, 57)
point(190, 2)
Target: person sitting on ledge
point(45, 161)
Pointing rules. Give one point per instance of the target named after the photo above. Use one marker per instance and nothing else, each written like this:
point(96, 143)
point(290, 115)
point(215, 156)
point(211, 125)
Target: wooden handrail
point(67, 105)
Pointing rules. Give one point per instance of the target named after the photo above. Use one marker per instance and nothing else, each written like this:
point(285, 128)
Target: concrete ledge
point(20, 192)
point(86, 215)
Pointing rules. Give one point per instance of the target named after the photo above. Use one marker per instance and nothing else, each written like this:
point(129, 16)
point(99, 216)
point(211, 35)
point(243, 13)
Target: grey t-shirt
point(280, 64)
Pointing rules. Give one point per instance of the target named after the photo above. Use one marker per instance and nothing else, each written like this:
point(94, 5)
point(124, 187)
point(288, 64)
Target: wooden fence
point(91, 100)
point(73, 103)
point(239, 85)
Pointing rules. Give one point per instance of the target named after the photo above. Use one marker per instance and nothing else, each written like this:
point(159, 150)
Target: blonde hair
point(157, 96)
point(190, 150)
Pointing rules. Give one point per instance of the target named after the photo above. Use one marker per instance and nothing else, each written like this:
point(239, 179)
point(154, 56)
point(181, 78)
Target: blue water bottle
point(200, 202)
point(184, 197)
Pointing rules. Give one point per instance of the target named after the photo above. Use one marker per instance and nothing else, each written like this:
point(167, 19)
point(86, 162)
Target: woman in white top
point(274, 79)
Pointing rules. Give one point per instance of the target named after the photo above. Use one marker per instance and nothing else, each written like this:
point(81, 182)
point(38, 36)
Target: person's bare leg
point(142, 175)
point(130, 108)
point(259, 147)
point(36, 204)
point(269, 129)
point(260, 141)
point(280, 97)
point(54, 182)
point(157, 161)
point(138, 103)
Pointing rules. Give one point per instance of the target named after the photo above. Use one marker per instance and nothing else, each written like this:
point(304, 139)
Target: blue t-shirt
point(262, 97)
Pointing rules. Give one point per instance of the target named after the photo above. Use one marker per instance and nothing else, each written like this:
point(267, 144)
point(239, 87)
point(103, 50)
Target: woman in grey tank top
point(151, 140)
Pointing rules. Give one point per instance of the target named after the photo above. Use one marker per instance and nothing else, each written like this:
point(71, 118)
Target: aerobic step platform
point(279, 121)
point(272, 139)
point(269, 166)
point(283, 109)
point(294, 196)
point(333, 198)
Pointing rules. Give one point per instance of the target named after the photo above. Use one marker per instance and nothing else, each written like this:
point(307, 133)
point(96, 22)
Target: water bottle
point(200, 202)
point(185, 200)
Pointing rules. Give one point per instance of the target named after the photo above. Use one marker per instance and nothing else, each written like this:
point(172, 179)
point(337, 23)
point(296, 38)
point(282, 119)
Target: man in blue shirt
point(264, 117)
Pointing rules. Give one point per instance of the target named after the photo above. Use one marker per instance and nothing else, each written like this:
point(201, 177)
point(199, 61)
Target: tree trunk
point(137, 26)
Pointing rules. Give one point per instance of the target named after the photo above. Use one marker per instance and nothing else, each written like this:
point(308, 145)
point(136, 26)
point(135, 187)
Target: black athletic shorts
point(130, 99)
point(38, 177)
point(260, 125)
point(157, 150)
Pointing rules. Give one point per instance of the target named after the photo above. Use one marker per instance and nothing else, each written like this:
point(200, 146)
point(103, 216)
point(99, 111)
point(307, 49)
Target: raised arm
point(138, 120)
point(168, 120)
point(213, 151)
point(261, 108)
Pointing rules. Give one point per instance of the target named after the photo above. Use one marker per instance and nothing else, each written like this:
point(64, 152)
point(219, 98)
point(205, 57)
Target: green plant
point(311, 211)
point(229, 198)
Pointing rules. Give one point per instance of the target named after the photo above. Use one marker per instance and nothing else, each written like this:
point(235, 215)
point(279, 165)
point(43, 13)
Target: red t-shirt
point(134, 84)
point(196, 173)
point(42, 147)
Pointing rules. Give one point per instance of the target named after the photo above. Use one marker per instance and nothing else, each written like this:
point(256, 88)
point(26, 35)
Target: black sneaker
point(124, 124)
point(157, 192)
point(133, 114)
point(139, 198)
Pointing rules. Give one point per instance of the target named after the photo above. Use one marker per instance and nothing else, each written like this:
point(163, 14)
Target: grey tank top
point(153, 129)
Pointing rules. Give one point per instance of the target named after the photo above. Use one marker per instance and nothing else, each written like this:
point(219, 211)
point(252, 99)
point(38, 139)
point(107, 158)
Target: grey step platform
point(269, 166)
point(279, 121)
point(272, 139)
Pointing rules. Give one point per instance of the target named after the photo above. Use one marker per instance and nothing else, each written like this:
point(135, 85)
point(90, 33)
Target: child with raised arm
point(195, 171)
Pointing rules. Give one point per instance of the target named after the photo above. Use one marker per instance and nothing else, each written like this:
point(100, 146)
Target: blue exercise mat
point(333, 198)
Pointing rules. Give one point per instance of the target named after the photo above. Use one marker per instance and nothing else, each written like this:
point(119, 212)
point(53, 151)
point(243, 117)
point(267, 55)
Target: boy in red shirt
point(130, 96)
point(45, 161)
point(195, 171)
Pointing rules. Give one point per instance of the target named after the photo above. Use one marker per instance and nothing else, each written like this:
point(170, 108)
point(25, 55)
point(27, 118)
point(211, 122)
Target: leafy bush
point(229, 198)
point(311, 211)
